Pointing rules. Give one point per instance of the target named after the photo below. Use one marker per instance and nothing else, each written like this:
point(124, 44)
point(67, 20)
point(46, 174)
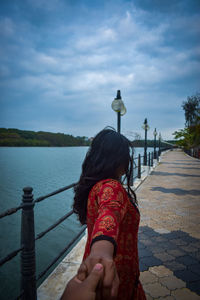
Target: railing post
point(157, 155)
point(151, 159)
point(28, 264)
point(139, 166)
point(132, 172)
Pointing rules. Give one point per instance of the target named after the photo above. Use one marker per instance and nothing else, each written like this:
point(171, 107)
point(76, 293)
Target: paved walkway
point(169, 236)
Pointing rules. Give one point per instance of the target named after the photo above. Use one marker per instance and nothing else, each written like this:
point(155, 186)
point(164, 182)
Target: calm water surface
point(45, 170)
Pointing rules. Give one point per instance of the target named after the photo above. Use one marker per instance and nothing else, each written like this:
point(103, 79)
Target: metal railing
point(194, 152)
point(28, 238)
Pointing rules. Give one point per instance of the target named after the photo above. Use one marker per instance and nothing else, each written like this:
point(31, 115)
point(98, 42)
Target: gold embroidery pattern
point(107, 193)
point(107, 223)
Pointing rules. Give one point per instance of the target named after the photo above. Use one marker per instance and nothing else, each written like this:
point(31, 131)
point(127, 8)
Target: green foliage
point(21, 138)
point(192, 109)
point(189, 137)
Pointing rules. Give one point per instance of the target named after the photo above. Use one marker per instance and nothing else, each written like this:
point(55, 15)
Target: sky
point(62, 62)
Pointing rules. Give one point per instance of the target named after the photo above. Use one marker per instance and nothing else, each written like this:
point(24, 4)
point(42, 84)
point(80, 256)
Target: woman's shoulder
point(110, 183)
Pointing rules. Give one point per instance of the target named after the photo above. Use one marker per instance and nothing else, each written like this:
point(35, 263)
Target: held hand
point(99, 254)
point(84, 290)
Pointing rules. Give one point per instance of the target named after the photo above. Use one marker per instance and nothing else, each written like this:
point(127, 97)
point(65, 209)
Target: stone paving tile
point(196, 244)
point(195, 269)
point(149, 297)
point(157, 249)
point(187, 275)
point(161, 271)
point(143, 267)
point(160, 239)
point(194, 286)
point(175, 234)
point(147, 242)
point(151, 261)
point(148, 277)
point(192, 240)
point(185, 294)
point(162, 230)
point(170, 246)
point(164, 256)
point(174, 266)
point(141, 246)
point(196, 255)
point(172, 282)
point(187, 260)
point(179, 242)
point(156, 290)
point(189, 248)
point(176, 252)
point(145, 252)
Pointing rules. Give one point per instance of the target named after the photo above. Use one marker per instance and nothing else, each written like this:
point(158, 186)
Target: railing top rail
point(10, 211)
point(13, 210)
point(41, 234)
point(55, 192)
point(10, 256)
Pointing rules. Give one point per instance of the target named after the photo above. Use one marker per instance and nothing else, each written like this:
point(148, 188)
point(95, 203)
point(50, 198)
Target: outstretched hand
point(108, 287)
point(84, 290)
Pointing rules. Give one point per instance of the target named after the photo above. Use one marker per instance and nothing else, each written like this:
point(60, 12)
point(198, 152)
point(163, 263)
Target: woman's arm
point(112, 206)
point(102, 252)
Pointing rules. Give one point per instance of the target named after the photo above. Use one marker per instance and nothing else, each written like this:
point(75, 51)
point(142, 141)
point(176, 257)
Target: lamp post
point(154, 152)
point(145, 127)
point(119, 107)
point(159, 151)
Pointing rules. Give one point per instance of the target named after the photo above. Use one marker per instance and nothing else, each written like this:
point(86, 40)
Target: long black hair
point(108, 152)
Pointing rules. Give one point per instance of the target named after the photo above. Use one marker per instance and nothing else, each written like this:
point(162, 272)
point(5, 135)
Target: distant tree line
point(23, 138)
point(189, 137)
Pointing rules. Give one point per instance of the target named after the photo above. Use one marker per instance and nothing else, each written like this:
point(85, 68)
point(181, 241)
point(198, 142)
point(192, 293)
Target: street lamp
point(145, 127)
point(159, 145)
point(155, 134)
point(118, 106)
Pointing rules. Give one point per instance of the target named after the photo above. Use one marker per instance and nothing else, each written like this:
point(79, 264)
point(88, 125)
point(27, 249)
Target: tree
point(192, 109)
point(184, 138)
point(189, 137)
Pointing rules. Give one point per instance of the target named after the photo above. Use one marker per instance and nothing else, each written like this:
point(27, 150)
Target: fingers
point(109, 273)
point(110, 282)
point(94, 278)
point(82, 272)
point(108, 286)
point(115, 286)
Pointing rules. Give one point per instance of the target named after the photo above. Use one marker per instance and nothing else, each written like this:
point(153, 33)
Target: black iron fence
point(27, 250)
point(194, 152)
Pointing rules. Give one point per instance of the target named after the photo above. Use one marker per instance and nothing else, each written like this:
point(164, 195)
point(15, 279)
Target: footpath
point(169, 234)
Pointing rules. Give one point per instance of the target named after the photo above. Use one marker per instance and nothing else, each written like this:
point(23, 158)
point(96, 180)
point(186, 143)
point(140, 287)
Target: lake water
point(45, 170)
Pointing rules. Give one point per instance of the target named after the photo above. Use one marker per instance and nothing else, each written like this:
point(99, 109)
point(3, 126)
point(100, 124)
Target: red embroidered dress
point(112, 216)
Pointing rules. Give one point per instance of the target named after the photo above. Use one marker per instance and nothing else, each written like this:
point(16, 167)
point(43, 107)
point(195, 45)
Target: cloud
point(6, 27)
point(68, 56)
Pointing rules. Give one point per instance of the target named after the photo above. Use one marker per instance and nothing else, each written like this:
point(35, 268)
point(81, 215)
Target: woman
point(111, 215)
